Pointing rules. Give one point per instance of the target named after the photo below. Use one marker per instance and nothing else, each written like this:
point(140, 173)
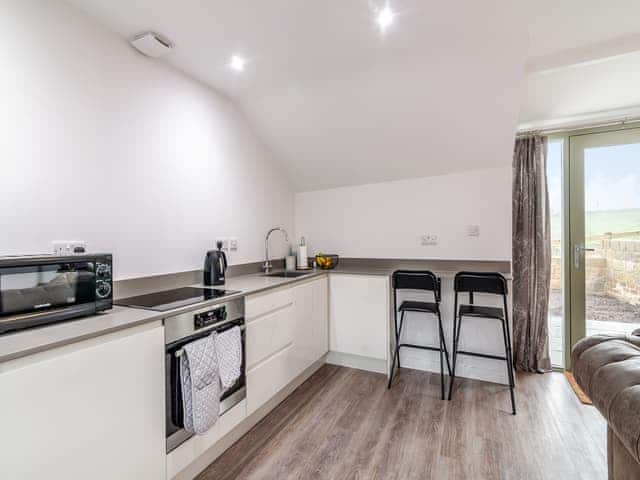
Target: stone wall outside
point(613, 270)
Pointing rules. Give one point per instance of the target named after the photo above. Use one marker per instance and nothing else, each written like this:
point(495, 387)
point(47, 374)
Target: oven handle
point(178, 353)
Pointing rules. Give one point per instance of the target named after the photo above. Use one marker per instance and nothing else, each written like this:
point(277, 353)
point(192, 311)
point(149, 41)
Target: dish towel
point(200, 384)
point(229, 351)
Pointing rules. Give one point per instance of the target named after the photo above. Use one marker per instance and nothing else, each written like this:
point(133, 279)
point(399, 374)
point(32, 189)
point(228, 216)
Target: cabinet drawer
point(256, 305)
point(267, 378)
point(268, 334)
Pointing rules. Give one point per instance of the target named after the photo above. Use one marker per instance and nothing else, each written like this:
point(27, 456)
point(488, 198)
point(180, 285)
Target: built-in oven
point(44, 289)
point(183, 329)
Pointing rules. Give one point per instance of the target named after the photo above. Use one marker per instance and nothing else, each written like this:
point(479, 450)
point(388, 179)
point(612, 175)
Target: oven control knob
point(103, 289)
point(103, 270)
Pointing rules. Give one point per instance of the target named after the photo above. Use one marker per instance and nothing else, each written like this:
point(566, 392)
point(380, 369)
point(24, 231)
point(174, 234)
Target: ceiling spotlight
point(385, 18)
point(237, 63)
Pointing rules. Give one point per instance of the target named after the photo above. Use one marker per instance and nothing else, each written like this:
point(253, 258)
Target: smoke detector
point(151, 44)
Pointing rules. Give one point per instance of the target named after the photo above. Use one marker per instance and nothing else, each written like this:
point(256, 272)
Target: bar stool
point(481, 282)
point(418, 280)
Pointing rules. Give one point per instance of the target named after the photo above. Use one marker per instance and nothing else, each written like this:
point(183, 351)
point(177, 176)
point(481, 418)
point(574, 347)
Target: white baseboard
point(357, 361)
point(485, 369)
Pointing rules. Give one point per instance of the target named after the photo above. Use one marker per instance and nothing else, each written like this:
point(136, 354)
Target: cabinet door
point(268, 334)
point(359, 315)
point(311, 323)
point(93, 410)
point(320, 318)
point(267, 378)
point(302, 352)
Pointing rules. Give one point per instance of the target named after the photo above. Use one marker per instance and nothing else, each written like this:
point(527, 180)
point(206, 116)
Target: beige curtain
point(531, 255)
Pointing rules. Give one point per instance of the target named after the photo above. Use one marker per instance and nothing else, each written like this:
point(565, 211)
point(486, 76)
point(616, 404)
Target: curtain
point(531, 255)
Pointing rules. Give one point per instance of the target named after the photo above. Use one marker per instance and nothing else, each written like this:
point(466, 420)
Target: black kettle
point(215, 266)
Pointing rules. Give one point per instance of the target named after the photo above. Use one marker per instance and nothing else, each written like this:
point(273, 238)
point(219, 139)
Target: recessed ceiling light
point(385, 18)
point(237, 63)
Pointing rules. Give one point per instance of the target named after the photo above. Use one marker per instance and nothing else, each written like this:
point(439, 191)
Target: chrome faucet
point(267, 264)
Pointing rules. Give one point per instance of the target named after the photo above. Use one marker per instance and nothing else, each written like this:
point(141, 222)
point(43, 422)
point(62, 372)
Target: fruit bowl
point(326, 262)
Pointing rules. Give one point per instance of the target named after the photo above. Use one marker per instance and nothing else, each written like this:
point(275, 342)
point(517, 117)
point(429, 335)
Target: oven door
point(37, 294)
point(176, 434)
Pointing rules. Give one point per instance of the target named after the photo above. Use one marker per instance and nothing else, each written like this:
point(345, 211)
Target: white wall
point(386, 220)
point(102, 144)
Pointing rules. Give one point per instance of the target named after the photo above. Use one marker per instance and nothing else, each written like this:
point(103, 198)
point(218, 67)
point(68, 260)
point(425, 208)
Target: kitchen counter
point(32, 341)
point(36, 340)
point(28, 342)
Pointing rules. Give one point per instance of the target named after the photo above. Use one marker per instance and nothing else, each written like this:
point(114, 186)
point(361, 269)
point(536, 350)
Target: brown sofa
point(608, 370)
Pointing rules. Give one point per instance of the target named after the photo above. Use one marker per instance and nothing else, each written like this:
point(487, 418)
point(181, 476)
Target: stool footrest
point(423, 347)
point(481, 355)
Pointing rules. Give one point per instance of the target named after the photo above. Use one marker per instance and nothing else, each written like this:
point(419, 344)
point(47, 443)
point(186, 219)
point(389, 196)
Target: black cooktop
point(175, 298)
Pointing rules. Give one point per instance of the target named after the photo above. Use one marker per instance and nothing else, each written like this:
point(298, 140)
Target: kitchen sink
point(287, 274)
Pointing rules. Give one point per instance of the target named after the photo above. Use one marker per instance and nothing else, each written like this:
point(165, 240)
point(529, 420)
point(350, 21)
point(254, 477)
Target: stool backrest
point(417, 280)
point(480, 282)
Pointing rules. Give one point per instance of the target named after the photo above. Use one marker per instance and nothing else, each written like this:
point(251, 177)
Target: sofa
point(607, 368)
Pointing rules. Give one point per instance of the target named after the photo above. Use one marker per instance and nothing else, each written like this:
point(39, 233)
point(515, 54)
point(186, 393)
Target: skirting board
point(357, 361)
point(491, 370)
point(206, 459)
point(488, 370)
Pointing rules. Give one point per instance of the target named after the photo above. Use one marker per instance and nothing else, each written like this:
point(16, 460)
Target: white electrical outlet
point(473, 230)
point(429, 240)
point(233, 244)
point(68, 247)
point(225, 243)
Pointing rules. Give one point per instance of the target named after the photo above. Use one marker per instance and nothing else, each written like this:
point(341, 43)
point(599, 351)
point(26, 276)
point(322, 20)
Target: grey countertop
point(35, 340)
point(28, 342)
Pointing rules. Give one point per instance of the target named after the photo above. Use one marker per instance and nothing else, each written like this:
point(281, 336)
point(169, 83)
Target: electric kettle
point(215, 266)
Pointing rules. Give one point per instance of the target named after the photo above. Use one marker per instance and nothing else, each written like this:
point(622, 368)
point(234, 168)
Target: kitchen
point(132, 168)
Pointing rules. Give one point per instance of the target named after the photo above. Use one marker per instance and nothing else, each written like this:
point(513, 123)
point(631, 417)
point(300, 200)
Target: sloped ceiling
point(337, 101)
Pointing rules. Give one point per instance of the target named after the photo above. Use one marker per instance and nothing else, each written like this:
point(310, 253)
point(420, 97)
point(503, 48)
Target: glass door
point(603, 247)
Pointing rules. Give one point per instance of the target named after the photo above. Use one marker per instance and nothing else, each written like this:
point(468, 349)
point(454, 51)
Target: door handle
point(578, 251)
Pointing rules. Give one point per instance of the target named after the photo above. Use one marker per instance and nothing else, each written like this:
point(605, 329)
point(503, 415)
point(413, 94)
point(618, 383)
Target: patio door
point(602, 249)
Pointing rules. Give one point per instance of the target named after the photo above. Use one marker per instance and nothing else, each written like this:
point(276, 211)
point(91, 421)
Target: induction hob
point(175, 298)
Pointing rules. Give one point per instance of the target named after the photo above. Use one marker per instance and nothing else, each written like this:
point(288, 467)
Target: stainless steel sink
point(287, 274)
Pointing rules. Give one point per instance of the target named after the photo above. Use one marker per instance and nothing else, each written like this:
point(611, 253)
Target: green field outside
point(604, 221)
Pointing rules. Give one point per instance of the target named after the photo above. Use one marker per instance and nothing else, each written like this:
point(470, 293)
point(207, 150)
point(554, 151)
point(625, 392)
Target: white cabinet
point(287, 331)
point(267, 378)
point(311, 307)
point(268, 334)
point(94, 409)
point(359, 315)
point(320, 317)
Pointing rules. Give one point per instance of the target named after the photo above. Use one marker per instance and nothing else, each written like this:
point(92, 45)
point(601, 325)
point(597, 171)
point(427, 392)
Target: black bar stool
point(481, 282)
point(418, 280)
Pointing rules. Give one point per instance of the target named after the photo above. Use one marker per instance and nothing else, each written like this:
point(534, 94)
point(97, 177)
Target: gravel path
point(600, 308)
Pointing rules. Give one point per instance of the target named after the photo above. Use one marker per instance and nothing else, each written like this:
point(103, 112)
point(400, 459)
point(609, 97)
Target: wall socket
point(429, 240)
point(233, 244)
point(225, 243)
point(68, 247)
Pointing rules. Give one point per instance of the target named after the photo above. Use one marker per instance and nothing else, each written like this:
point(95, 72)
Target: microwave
point(45, 289)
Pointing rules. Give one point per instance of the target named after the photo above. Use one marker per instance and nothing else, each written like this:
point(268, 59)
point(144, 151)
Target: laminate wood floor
point(344, 424)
